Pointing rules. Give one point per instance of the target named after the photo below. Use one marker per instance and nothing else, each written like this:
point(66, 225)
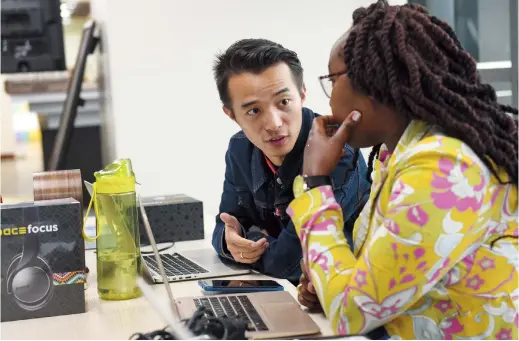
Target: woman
point(435, 254)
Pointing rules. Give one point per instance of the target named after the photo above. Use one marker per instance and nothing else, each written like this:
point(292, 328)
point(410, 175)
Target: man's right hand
point(306, 292)
point(242, 250)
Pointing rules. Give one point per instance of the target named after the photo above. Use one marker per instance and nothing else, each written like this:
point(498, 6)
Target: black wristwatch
point(306, 183)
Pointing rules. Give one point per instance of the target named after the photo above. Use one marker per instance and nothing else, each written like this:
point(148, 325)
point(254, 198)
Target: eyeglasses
point(327, 82)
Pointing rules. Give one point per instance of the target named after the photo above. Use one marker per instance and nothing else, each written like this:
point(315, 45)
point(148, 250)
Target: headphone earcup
point(33, 286)
point(9, 273)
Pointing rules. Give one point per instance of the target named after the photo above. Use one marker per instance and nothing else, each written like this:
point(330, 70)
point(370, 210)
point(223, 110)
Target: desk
point(119, 319)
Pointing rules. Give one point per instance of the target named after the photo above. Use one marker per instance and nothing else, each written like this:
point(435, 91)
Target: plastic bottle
point(118, 243)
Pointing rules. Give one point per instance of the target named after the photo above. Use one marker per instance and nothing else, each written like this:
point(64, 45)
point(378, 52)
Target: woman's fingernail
point(356, 116)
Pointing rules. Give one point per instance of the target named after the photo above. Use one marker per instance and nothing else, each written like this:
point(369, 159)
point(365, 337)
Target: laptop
point(269, 314)
point(169, 315)
point(187, 265)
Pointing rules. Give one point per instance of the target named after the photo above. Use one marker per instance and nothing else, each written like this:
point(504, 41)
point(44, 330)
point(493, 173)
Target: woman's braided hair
point(413, 62)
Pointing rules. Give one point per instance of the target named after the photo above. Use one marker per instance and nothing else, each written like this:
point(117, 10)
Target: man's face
point(267, 107)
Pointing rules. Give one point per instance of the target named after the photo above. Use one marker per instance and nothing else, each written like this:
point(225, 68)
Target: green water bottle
point(117, 237)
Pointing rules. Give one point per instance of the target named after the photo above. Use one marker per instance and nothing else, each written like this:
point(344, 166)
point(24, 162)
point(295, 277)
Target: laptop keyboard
point(233, 306)
point(175, 265)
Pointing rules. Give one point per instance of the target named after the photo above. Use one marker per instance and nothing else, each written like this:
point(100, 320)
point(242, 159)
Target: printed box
point(43, 259)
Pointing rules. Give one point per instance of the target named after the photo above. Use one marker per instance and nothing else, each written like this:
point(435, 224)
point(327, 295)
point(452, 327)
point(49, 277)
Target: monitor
point(73, 100)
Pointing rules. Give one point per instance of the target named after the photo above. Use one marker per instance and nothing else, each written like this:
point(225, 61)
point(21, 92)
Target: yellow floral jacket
point(423, 265)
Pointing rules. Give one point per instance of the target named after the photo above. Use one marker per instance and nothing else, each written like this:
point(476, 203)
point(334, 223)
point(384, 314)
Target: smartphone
point(239, 286)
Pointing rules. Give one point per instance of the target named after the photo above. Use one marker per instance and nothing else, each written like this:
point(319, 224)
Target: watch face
point(298, 186)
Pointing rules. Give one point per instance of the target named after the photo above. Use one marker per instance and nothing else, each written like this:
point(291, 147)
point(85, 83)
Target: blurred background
point(147, 89)
point(31, 97)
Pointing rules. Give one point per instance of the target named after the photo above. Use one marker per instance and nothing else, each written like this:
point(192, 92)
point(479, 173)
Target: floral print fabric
point(423, 265)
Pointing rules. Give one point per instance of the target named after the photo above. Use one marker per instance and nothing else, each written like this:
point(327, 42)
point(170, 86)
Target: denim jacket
point(258, 199)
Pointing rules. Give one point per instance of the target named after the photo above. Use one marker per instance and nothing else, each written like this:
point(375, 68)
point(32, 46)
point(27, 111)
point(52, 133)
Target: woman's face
point(344, 99)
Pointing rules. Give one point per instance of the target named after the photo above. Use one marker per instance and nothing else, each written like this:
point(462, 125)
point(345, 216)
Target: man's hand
point(242, 250)
point(306, 292)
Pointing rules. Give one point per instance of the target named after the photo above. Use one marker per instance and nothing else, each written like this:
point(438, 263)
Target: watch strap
point(317, 181)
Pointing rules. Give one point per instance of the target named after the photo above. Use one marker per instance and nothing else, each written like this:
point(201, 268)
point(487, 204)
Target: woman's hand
point(305, 291)
point(322, 151)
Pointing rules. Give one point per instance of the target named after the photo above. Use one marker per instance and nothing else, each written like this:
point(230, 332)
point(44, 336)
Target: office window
point(487, 29)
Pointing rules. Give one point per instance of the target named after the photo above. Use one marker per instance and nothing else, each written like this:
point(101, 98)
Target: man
point(260, 84)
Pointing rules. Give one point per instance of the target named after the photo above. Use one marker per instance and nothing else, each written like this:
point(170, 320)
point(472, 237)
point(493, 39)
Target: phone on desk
point(239, 286)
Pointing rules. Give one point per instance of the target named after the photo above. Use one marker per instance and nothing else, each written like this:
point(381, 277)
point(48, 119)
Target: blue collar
point(293, 163)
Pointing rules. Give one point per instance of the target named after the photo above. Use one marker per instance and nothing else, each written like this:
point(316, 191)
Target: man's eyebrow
point(248, 104)
point(281, 91)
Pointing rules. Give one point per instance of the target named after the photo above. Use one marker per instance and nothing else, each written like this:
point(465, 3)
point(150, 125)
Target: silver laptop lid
point(179, 331)
point(174, 317)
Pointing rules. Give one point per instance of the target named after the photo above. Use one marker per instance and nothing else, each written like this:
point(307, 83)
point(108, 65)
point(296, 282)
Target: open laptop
point(168, 314)
point(187, 265)
point(270, 314)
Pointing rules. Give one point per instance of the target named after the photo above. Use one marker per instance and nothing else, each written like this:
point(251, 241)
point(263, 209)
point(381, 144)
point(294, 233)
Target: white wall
point(494, 21)
point(163, 110)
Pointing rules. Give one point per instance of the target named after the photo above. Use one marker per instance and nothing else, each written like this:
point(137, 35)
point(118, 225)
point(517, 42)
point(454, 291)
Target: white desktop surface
point(120, 319)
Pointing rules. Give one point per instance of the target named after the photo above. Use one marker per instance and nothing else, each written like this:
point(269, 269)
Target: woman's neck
point(398, 129)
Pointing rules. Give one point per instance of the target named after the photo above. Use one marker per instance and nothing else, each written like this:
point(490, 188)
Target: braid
point(371, 159)
point(414, 63)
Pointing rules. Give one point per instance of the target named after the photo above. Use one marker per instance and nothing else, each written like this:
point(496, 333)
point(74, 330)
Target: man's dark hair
point(255, 56)
point(413, 62)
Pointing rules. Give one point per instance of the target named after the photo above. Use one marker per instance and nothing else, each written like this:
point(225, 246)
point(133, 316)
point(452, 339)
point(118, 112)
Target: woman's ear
point(371, 103)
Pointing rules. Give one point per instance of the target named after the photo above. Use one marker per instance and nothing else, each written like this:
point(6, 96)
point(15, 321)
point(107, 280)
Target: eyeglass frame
point(327, 77)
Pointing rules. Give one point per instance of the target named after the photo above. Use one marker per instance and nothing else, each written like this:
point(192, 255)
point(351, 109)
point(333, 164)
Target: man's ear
point(303, 93)
point(228, 112)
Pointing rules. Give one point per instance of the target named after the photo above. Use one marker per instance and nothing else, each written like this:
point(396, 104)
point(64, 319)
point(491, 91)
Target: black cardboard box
point(173, 218)
point(43, 259)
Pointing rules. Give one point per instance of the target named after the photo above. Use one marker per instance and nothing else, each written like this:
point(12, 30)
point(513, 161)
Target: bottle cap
point(117, 177)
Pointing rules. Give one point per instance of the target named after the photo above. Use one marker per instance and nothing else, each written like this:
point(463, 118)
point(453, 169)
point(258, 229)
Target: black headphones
point(29, 277)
